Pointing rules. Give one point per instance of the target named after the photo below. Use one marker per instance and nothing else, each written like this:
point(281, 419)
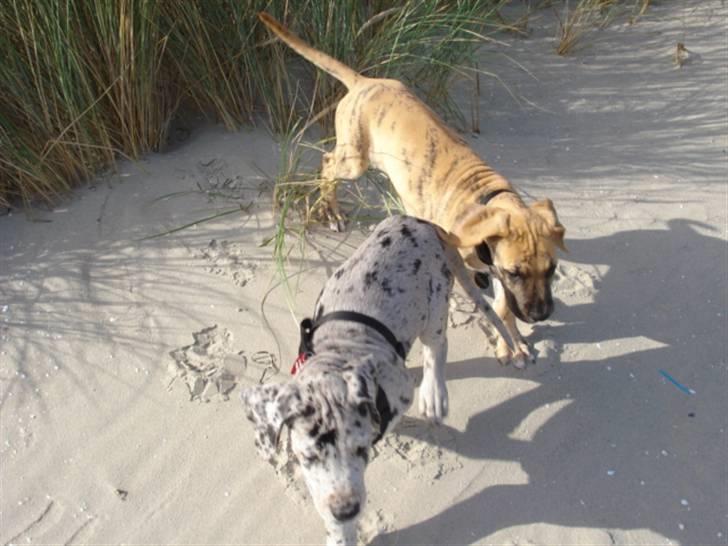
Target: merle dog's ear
point(269, 407)
point(362, 390)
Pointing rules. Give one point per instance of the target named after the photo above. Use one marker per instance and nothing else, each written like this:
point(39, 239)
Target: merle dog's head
point(333, 422)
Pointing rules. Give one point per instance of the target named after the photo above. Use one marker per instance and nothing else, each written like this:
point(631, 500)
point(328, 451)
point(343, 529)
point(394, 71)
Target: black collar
point(486, 197)
point(308, 327)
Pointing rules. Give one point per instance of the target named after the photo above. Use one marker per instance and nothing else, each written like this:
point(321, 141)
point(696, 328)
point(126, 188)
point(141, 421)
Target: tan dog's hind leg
point(341, 164)
point(348, 161)
point(329, 181)
point(522, 355)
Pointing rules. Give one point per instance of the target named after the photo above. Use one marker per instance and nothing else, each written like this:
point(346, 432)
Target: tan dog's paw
point(331, 216)
point(337, 221)
point(521, 358)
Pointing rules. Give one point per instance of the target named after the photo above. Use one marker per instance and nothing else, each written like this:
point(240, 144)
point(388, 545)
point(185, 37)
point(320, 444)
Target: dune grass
point(84, 83)
point(80, 84)
point(579, 18)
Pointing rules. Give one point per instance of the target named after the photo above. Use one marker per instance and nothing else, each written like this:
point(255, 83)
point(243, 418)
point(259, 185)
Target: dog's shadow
point(609, 443)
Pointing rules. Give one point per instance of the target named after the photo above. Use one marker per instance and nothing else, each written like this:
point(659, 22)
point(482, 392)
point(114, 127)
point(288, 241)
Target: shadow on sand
point(625, 449)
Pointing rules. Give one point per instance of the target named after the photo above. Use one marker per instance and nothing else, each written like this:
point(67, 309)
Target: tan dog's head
point(519, 247)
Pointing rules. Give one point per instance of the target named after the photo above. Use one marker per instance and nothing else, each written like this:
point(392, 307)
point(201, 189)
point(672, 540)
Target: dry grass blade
point(576, 22)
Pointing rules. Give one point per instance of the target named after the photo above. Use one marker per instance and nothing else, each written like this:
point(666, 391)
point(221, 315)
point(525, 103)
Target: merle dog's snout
point(345, 510)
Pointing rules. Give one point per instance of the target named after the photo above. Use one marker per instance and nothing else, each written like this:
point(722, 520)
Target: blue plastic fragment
point(675, 382)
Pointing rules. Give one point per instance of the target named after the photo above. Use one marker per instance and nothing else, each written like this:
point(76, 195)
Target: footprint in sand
point(216, 178)
point(421, 449)
point(211, 368)
point(228, 260)
point(372, 524)
point(574, 283)
point(202, 365)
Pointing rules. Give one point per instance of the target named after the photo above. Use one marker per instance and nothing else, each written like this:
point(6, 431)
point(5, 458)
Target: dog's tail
point(337, 69)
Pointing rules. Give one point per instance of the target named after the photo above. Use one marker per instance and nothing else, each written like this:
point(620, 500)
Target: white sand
point(107, 438)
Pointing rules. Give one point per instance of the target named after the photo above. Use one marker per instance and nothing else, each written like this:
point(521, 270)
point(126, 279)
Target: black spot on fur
point(439, 331)
point(339, 273)
point(407, 234)
point(380, 116)
point(386, 242)
point(386, 287)
point(362, 409)
point(406, 401)
point(363, 453)
point(370, 277)
point(308, 411)
point(314, 431)
point(327, 438)
point(416, 266)
point(446, 272)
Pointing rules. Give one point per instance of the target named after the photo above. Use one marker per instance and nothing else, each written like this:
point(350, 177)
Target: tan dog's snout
point(541, 309)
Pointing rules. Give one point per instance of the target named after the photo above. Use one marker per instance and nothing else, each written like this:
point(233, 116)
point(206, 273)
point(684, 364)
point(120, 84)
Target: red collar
point(299, 362)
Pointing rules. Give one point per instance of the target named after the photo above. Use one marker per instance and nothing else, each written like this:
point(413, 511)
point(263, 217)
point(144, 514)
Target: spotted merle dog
point(354, 386)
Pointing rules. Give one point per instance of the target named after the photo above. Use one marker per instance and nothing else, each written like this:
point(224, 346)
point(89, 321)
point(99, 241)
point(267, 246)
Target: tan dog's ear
point(479, 224)
point(545, 209)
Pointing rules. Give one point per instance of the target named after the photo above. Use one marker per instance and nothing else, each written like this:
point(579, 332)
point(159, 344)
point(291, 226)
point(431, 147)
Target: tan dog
point(380, 123)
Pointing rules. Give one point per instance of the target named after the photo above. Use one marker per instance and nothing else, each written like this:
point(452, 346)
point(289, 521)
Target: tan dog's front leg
point(522, 355)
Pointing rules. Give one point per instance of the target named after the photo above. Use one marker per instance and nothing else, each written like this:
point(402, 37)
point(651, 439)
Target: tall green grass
point(80, 84)
point(85, 82)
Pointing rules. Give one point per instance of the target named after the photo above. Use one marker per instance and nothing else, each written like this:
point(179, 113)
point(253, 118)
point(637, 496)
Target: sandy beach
point(122, 355)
